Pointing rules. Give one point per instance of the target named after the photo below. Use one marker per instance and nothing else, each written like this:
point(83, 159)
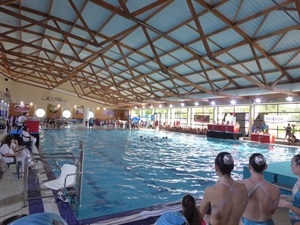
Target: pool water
point(129, 170)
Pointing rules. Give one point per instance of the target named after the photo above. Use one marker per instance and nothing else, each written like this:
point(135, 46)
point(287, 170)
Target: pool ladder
point(49, 161)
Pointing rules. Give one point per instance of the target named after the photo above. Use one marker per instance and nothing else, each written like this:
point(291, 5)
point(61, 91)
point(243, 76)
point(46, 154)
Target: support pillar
point(86, 111)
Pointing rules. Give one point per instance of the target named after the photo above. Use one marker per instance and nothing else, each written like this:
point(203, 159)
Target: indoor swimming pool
point(129, 170)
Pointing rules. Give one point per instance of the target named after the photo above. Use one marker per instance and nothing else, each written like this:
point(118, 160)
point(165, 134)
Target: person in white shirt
point(8, 149)
point(27, 137)
point(21, 120)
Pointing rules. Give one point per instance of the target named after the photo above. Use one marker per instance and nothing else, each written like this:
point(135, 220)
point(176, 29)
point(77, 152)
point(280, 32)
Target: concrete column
point(215, 115)
point(188, 116)
point(86, 111)
point(251, 116)
point(169, 116)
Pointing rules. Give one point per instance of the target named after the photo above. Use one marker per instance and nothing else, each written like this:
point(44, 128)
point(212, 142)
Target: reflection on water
point(127, 170)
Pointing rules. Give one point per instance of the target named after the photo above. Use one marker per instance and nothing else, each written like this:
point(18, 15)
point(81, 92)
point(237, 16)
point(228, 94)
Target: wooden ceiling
point(136, 52)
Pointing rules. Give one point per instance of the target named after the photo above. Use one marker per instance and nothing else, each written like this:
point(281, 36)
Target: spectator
point(288, 131)
point(21, 121)
point(190, 211)
point(293, 139)
point(8, 148)
point(27, 138)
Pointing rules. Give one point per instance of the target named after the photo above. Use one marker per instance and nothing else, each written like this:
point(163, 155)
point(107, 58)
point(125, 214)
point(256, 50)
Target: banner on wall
point(21, 108)
point(201, 118)
point(280, 119)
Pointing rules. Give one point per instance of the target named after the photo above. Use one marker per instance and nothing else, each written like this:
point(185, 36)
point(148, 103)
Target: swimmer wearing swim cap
point(228, 199)
point(262, 194)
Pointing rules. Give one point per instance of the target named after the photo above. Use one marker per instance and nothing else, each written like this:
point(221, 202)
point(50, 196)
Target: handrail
point(45, 158)
point(57, 155)
point(79, 179)
point(26, 167)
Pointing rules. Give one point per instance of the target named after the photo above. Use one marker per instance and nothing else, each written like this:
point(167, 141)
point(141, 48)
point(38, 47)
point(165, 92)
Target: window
point(201, 116)
point(66, 114)
point(179, 114)
point(40, 112)
point(91, 114)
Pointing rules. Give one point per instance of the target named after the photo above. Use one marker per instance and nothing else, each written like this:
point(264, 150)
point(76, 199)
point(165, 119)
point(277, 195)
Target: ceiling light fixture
point(233, 102)
point(289, 99)
point(258, 100)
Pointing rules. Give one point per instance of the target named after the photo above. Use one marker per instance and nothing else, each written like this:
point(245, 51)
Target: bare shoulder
point(244, 181)
point(242, 187)
point(210, 189)
point(274, 188)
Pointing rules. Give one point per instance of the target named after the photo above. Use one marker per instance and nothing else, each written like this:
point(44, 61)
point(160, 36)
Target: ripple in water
point(128, 170)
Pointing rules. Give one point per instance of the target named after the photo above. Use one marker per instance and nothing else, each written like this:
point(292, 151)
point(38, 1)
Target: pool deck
point(11, 203)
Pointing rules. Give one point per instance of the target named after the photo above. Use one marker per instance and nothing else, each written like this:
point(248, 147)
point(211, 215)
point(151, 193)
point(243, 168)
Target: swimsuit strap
point(256, 186)
point(259, 186)
point(231, 190)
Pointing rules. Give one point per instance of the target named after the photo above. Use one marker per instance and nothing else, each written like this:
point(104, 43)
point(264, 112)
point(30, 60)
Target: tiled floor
point(11, 189)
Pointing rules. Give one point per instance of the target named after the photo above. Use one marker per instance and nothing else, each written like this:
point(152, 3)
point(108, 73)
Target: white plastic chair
point(66, 179)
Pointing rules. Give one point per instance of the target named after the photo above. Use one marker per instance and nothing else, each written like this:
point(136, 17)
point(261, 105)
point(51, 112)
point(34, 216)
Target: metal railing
point(51, 165)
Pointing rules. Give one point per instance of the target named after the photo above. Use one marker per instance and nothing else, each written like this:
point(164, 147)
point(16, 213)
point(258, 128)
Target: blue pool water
point(129, 170)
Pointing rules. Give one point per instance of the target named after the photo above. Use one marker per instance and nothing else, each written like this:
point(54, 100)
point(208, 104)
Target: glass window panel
point(91, 114)
point(289, 108)
point(40, 112)
point(242, 108)
point(265, 108)
point(225, 109)
point(66, 114)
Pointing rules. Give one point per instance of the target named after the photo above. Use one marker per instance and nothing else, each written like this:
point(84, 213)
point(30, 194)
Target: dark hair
point(225, 162)
point(297, 159)
point(190, 210)
point(25, 128)
point(7, 139)
point(258, 162)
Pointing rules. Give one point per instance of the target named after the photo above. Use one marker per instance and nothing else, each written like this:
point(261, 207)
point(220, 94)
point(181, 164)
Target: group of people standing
point(251, 201)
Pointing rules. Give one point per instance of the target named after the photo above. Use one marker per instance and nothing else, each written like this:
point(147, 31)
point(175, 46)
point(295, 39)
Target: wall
point(42, 98)
point(16, 109)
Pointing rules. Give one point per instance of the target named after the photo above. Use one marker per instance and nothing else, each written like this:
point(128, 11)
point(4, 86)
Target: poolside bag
point(171, 218)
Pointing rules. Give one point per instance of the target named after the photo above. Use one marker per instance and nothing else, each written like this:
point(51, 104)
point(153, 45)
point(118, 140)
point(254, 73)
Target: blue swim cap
point(171, 218)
